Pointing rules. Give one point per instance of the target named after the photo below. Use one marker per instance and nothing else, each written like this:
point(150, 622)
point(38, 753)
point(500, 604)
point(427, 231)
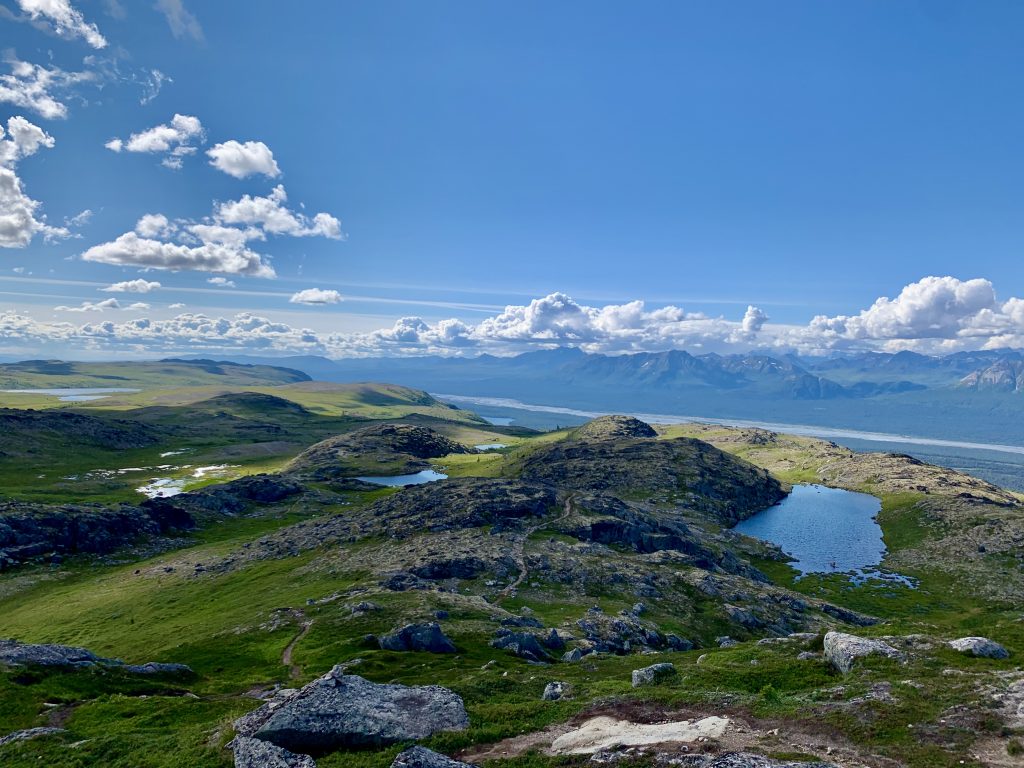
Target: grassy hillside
point(515, 548)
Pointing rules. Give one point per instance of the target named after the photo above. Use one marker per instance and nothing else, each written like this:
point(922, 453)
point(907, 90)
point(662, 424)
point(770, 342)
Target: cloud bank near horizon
point(932, 315)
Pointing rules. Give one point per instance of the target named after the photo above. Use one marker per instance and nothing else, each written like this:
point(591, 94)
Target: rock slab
point(418, 637)
point(653, 674)
point(254, 753)
point(981, 647)
point(343, 711)
point(843, 650)
point(421, 757)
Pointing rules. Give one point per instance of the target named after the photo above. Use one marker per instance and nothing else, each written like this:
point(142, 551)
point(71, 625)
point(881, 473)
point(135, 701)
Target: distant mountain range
point(966, 395)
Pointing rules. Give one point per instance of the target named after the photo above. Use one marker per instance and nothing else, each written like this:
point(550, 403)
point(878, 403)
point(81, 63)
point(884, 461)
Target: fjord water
point(826, 530)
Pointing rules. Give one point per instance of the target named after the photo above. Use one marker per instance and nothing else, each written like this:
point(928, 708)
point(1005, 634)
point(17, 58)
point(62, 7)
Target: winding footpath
point(519, 551)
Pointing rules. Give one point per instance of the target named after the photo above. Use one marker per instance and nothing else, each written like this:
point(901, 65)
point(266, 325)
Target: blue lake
point(490, 446)
point(426, 476)
point(826, 530)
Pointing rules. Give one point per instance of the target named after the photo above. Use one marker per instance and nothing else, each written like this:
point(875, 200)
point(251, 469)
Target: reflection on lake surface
point(826, 530)
point(426, 476)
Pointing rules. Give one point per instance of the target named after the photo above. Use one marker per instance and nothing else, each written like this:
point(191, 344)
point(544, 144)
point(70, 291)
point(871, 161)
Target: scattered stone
point(677, 643)
point(808, 655)
point(655, 673)
point(842, 650)
point(16, 654)
point(418, 637)
point(521, 644)
point(555, 690)
point(980, 647)
point(29, 733)
point(339, 710)
point(572, 656)
point(157, 668)
point(726, 642)
point(255, 753)
point(421, 757)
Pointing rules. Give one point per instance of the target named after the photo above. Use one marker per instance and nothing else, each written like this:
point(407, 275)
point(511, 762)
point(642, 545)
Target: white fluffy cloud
point(316, 296)
point(37, 88)
point(132, 286)
point(19, 221)
point(64, 19)
point(219, 243)
point(934, 313)
point(175, 140)
point(242, 160)
point(221, 282)
point(271, 215)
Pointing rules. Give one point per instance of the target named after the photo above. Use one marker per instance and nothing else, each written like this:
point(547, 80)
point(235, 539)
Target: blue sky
point(741, 168)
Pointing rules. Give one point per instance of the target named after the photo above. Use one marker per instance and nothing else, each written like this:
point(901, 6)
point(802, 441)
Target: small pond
point(825, 530)
point(490, 446)
point(395, 481)
point(498, 421)
point(73, 394)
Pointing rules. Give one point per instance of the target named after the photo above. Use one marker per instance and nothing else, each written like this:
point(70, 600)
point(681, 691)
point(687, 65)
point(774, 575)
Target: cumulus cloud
point(242, 160)
point(137, 306)
point(182, 23)
point(38, 88)
point(219, 243)
point(934, 313)
point(63, 19)
point(19, 221)
point(271, 215)
point(316, 296)
point(221, 282)
point(132, 286)
point(175, 140)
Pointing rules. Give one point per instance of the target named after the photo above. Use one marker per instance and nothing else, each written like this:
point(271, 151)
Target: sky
point(453, 178)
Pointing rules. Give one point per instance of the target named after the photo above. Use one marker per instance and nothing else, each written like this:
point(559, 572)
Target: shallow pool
point(426, 476)
point(825, 529)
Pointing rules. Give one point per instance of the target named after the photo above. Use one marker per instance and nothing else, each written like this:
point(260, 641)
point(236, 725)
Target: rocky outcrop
point(418, 637)
point(843, 650)
point(26, 431)
point(421, 757)
point(653, 674)
point(37, 532)
point(521, 644)
point(554, 691)
point(30, 733)
point(15, 654)
point(256, 753)
point(688, 473)
point(346, 455)
point(613, 428)
point(461, 503)
point(981, 647)
point(338, 711)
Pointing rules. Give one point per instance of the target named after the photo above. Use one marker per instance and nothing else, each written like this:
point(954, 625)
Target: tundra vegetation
point(575, 596)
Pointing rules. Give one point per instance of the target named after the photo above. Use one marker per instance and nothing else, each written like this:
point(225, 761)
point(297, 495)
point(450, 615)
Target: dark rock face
point(29, 531)
point(332, 458)
point(418, 637)
point(462, 503)
point(609, 520)
point(521, 644)
point(613, 428)
point(421, 757)
point(15, 654)
point(255, 753)
point(688, 472)
point(263, 489)
point(339, 710)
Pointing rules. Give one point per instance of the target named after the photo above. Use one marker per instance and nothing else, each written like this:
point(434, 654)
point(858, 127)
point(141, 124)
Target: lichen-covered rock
point(842, 650)
point(555, 690)
point(981, 647)
point(256, 753)
point(613, 428)
point(418, 637)
point(655, 673)
point(17, 654)
point(421, 757)
point(343, 711)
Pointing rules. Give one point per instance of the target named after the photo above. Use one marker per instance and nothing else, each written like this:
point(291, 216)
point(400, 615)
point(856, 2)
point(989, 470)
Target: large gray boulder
point(30, 733)
point(843, 650)
point(17, 654)
point(340, 710)
point(981, 647)
point(421, 757)
point(418, 637)
point(653, 674)
point(255, 753)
